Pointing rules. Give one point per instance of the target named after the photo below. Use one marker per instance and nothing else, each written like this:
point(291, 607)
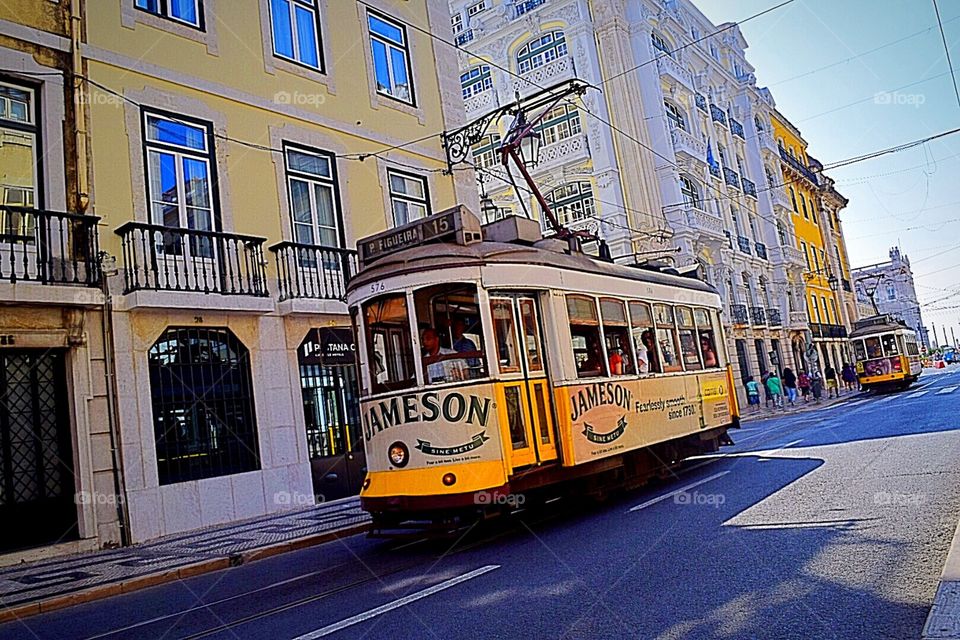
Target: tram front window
point(890, 345)
point(873, 347)
point(858, 351)
point(585, 336)
point(388, 343)
point(644, 340)
point(448, 317)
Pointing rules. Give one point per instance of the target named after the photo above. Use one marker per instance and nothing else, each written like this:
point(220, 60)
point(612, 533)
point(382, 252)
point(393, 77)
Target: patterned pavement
point(37, 581)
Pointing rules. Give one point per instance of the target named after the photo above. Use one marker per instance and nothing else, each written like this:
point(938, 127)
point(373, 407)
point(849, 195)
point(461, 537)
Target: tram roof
point(876, 324)
point(430, 257)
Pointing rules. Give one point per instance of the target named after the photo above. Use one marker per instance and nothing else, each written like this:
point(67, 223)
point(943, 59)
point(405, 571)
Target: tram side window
point(890, 345)
point(873, 347)
point(615, 333)
point(688, 339)
point(505, 335)
point(706, 337)
point(858, 351)
point(585, 336)
point(451, 337)
point(644, 337)
point(667, 337)
point(388, 343)
point(912, 348)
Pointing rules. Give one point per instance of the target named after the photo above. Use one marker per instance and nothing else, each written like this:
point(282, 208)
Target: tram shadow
point(767, 547)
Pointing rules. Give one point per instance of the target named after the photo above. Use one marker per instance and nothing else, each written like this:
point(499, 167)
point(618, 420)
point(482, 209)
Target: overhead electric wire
point(946, 50)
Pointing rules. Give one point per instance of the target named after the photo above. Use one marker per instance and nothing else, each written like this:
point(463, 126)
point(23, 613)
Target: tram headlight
point(399, 454)
point(449, 479)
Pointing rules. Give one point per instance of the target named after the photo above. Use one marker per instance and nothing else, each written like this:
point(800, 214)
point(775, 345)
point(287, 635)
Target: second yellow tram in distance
point(497, 369)
point(886, 352)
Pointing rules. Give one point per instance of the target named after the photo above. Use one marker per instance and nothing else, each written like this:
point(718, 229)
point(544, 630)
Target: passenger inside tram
point(436, 368)
point(451, 339)
point(641, 326)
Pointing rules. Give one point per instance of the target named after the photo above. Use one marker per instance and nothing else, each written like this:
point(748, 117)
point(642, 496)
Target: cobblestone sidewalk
point(34, 587)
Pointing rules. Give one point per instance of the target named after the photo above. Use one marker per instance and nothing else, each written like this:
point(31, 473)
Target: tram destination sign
point(456, 224)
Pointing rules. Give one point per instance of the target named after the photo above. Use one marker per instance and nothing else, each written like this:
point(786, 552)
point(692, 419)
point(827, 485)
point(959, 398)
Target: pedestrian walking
point(830, 375)
point(790, 385)
point(753, 393)
point(816, 385)
point(767, 397)
point(849, 376)
point(775, 388)
point(803, 383)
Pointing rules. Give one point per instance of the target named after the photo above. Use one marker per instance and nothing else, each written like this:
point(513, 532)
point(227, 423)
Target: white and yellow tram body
point(886, 352)
point(528, 406)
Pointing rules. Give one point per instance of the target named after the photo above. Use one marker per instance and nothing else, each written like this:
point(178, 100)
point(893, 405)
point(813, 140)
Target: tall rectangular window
point(19, 164)
point(179, 161)
point(409, 198)
point(314, 202)
point(188, 12)
point(391, 58)
point(296, 31)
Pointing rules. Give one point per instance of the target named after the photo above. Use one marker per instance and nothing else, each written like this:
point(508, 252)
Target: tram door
point(526, 393)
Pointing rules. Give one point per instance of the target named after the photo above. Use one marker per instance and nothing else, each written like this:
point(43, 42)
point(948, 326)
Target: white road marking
point(946, 390)
point(678, 491)
point(396, 604)
point(917, 394)
point(884, 399)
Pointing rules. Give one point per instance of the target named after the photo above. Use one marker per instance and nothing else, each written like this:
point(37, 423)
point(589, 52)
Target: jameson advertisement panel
point(605, 418)
point(424, 429)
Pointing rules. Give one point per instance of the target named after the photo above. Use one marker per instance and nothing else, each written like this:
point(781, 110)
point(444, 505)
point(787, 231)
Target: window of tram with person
point(644, 337)
point(858, 351)
point(890, 345)
point(617, 337)
point(667, 337)
point(585, 336)
point(706, 337)
point(451, 337)
point(873, 347)
point(689, 347)
point(389, 347)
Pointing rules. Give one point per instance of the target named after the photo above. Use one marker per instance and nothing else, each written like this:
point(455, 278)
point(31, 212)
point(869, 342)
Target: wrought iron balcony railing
point(736, 129)
point(749, 187)
point(799, 167)
point(739, 313)
point(731, 178)
point(761, 250)
point(717, 114)
point(701, 101)
point(312, 271)
point(744, 243)
point(715, 170)
point(48, 247)
point(758, 316)
point(773, 317)
point(159, 258)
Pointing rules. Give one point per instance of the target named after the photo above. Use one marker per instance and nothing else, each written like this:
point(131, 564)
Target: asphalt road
point(825, 524)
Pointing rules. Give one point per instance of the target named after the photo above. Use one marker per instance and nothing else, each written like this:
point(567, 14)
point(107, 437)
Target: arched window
point(572, 202)
point(781, 233)
point(541, 51)
point(689, 191)
point(476, 81)
point(675, 115)
point(758, 123)
point(562, 122)
point(204, 421)
point(660, 43)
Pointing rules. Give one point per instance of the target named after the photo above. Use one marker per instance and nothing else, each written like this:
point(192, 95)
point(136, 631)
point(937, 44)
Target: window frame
point(314, 7)
point(560, 205)
point(528, 53)
point(469, 80)
point(290, 174)
point(34, 129)
point(406, 198)
point(689, 191)
point(163, 11)
point(675, 115)
point(556, 127)
point(604, 371)
point(405, 48)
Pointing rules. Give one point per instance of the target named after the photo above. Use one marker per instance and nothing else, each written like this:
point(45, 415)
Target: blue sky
point(908, 198)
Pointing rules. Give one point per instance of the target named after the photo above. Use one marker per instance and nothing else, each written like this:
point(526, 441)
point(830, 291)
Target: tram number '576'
point(377, 287)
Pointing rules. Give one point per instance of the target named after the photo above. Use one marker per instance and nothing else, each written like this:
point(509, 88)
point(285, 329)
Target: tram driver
point(439, 369)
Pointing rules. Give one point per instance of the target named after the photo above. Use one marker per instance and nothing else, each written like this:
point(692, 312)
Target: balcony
point(701, 102)
point(159, 258)
point(846, 285)
point(718, 115)
point(685, 143)
point(731, 178)
point(798, 320)
point(464, 37)
point(563, 151)
point(758, 316)
point(799, 167)
point(736, 129)
point(548, 75)
point(481, 103)
point(749, 187)
point(739, 313)
point(773, 317)
point(675, 72)
point(785, 254)
point(779, 197)
point(744, 243)
point(48, 247)
point(828, 330)
point(767, 143)
point(715, 170)
point(523, 7)
point(702, 222)
point(312, 271)
point(761, 250)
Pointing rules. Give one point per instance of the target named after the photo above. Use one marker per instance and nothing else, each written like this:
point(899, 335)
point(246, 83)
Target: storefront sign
point(329, 347)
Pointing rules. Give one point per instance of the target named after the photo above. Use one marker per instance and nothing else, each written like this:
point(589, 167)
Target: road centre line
point(676, 491)
point(396, 604)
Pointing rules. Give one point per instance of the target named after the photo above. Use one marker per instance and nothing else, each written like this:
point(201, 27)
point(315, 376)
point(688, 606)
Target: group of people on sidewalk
point(776, 387)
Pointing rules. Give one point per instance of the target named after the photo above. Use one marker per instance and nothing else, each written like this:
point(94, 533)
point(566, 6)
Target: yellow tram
point(886, 352)
point(495, 364)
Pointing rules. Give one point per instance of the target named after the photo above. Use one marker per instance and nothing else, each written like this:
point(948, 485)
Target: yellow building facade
point(816, 221)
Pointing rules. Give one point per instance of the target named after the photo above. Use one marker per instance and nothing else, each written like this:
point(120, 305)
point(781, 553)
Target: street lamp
point(530, 140)
point(487, 206)
point(832, 281)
